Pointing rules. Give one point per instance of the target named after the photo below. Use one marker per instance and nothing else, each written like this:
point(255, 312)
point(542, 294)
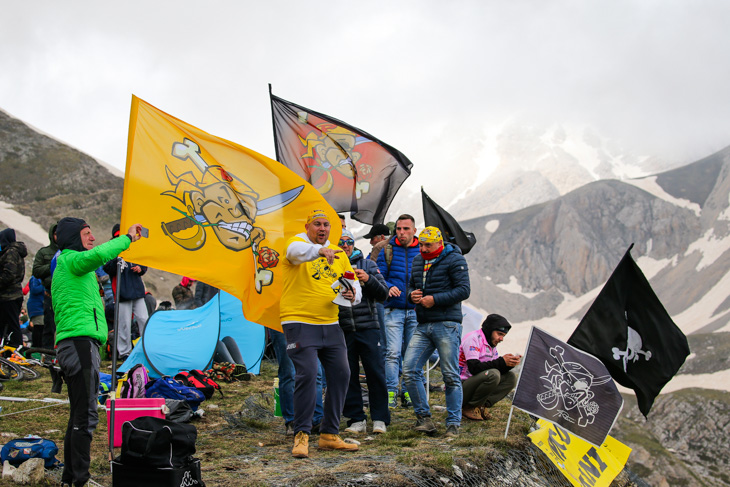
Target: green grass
point(253, 451)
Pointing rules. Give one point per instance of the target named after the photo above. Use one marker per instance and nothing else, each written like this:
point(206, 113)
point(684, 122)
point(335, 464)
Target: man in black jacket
point(440, 282)
point(361, 327)
point(131, 300)
point(12, 272)
point(42, 270)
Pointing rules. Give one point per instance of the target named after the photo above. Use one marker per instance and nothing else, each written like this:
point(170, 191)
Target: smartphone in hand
point(144, 232)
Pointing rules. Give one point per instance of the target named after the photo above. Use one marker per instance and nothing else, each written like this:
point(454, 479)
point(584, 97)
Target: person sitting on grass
point(486, 377)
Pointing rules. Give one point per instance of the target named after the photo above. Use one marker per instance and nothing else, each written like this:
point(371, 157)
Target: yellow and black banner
point(581, 463)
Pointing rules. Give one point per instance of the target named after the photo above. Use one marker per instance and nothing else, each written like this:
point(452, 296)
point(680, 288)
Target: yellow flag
point(581, 463)
point(215, 211)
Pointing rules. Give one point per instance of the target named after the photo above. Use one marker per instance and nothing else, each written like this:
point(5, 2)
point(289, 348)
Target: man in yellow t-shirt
point(309, 318)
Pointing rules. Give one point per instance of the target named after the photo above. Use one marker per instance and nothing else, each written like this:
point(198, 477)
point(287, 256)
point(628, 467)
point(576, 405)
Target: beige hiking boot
point(472, 413)
point(301, 445)
point(334, 442)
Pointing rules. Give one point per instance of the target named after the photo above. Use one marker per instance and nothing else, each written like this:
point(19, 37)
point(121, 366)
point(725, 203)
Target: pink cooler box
point(129, 409)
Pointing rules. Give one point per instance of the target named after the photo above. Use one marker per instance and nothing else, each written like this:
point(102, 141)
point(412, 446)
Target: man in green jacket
point(80, 332)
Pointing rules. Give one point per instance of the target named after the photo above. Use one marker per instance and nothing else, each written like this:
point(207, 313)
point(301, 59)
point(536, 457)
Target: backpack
point(157, 442)
point(196, 378)
point(133, 384)
point(168, 388)
point(105, 385)
point(19, 450)
point(388, 254)
point(228, 372)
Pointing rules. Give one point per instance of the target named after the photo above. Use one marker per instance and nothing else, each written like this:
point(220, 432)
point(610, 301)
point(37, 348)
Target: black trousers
point(305, 344)
point(365, 346)
point(49, 323)
point(79, 360)
point(10, 322)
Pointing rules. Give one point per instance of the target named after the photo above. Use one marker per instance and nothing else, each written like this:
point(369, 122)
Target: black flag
point(567, 387)
point(435, 216)
point(354, 171)
point(629, 330)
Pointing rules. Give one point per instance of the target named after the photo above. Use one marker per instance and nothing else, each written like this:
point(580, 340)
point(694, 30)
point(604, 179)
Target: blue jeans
point(444, 336)
point(286, 381)
point(399, 327)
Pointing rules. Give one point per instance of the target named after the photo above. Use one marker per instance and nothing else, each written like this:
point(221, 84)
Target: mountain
point(533, 260)
point(44, 180)
point(533, 163)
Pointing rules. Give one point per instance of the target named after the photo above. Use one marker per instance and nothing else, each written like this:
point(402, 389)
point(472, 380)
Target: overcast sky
point(420, 75)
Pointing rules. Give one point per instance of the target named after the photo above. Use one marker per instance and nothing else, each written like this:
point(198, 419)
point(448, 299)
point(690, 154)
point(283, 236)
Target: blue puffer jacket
point(364, 315)
point(36, 293)
point(447, 281)
point(398, 273)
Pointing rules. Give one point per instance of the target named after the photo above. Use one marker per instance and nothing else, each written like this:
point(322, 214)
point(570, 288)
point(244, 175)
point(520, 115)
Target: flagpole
point(113, 395)
point(273, 125)
point(509, 419)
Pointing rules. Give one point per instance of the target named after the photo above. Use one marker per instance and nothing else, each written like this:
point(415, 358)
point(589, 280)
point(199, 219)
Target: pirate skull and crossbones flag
point(629, 330)
point(568, 387)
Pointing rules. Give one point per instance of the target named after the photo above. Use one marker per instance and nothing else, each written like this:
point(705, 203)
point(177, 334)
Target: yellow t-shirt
point(308, 293)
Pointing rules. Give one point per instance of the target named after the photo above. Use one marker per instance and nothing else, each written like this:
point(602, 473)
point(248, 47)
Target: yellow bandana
point(429, 235)
point(315, 214)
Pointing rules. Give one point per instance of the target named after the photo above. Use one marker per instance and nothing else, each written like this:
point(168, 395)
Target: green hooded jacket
point(76, 300)
point(42, 261)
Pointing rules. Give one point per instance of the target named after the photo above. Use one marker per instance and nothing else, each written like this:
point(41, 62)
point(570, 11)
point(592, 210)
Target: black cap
point(115, 230)
point(377, 229)
point(495, 322)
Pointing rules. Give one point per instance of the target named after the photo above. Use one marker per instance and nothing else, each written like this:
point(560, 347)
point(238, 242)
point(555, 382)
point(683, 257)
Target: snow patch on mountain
point(702, 312)
point(492, 226)
point(725, 215)
point(651, 267)
point(711, 248)
point(514, 287)
point(20, 222)
point(650, 186)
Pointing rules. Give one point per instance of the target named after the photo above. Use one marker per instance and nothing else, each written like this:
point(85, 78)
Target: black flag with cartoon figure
point(629, 330)
point(568, 387)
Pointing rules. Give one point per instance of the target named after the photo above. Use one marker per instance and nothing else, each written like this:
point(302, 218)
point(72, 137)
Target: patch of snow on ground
point(22, 223)
point(700, 313)
point(725, 215)
point(514, 287)
point(650, 186)
point(718, 380)
point(651, 267)
point(492, 226)
point(710, 247)
point(560, 326)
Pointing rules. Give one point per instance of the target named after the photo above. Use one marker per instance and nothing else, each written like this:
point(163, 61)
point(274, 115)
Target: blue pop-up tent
point(178, 340)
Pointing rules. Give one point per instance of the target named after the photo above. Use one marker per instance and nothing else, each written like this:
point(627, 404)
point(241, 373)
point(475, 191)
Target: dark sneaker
point(392, 400)
point(405, 401)
point(289, 429)
point(425, 424)
point(452, 430)
point(315, 428)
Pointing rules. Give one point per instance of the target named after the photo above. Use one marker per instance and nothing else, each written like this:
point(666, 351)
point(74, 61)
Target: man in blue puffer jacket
point(395, 263)
point(439, 283)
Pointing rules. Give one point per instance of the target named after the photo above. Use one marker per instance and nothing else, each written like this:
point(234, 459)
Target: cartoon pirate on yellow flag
point(215, 211)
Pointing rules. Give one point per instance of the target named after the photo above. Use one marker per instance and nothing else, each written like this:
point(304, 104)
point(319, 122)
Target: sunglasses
point(348, 242)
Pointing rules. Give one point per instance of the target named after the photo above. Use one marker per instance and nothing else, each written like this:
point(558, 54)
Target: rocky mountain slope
point(43, 180)
point(529, 262)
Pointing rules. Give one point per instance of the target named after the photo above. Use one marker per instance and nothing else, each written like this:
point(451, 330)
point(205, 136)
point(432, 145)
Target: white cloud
point(414, 73)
